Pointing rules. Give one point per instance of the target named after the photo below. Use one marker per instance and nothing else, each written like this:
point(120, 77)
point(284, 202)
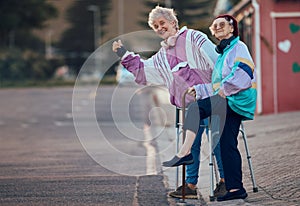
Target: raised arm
point(143, 70)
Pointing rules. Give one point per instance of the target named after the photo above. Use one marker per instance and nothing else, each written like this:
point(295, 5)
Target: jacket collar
point(171, 41)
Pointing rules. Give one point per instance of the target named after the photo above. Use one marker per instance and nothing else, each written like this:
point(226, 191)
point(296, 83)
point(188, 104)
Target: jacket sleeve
point(202, 56)
point(242, 71)
point(143, 70)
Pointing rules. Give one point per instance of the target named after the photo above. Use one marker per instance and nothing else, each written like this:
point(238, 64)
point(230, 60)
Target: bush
point(17, 65)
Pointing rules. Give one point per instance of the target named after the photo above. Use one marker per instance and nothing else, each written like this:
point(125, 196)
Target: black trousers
point(229, 129)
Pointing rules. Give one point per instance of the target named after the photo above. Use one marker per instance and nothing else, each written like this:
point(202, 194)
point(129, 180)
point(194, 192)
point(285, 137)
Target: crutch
point(178, 132)
point(183, 139)
point(242, 130)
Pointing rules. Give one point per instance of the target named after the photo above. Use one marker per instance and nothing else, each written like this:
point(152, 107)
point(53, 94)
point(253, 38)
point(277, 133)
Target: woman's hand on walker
point(191, 91)
point(116, 45)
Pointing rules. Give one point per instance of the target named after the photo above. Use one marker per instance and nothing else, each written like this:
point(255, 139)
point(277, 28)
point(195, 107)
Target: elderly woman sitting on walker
point(234, 85)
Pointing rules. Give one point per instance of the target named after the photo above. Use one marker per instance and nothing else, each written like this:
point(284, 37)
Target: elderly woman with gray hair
point(186, 59)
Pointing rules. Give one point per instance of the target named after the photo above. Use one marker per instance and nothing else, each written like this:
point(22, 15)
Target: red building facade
point(271, 29)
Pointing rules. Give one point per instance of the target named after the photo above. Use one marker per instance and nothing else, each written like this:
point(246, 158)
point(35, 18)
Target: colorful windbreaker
point(189, 63)
point(235, 74)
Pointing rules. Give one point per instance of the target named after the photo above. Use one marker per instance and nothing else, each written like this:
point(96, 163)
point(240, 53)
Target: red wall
point(286, 79)
point(288, 63)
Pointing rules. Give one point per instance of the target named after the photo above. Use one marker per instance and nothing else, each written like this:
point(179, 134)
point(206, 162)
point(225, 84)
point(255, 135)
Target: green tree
point(17, 65)
point(21, 53)
point(18, 18)
point(77, 43)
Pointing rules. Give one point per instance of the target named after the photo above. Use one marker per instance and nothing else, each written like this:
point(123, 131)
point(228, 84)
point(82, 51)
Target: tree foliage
point(18, 65)
point(21, 53)
point(19, 17)
point(78, 41)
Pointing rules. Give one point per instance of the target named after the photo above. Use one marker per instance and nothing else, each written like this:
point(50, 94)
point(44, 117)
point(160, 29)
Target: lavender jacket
point(189, 63)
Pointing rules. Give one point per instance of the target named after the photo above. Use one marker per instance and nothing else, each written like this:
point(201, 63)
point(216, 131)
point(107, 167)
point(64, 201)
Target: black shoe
point(240, 194)
point(176, 161)
point(220, 189)
point(189, 193)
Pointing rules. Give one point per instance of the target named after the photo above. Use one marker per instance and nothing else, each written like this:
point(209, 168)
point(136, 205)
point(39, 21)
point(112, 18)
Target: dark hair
point(232, 21)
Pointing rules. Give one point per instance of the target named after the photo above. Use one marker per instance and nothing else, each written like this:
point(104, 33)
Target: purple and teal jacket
point(189, 63)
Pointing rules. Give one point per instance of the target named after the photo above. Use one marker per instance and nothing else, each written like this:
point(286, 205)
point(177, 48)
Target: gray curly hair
point(167, 13)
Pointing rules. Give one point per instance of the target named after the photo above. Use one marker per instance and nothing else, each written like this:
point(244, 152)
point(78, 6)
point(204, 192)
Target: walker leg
point(255, 189)
point(211, 165)
point(215, 168)
point(214, 157)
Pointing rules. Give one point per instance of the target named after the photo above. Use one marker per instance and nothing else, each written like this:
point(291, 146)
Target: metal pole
point(96, 22)
point(242, 130)
point(258, 55)
point(168, 3)
point(97, 35)
point(211, 165)
point(121, 17)
point(183, 139)
point(177, 126)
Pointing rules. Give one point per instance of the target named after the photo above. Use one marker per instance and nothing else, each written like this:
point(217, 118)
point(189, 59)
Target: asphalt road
point(62, 146)
point(104, 146)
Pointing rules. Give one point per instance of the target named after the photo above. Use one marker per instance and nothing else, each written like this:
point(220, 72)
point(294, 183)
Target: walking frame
point(212, 163)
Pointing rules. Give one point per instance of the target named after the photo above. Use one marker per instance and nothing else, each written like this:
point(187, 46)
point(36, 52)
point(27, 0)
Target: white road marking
point(151, 152)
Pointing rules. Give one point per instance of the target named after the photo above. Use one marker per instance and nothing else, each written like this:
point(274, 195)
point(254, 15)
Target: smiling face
point(164, 28)
point(221, 29)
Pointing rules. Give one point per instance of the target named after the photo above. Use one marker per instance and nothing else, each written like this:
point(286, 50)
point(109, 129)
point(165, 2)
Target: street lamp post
point(121, 17)
point(97, 32)
point(48, 49)
point(168, 3)
point(97, 38)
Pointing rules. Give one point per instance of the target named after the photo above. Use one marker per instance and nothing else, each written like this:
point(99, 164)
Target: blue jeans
point(192, 171)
